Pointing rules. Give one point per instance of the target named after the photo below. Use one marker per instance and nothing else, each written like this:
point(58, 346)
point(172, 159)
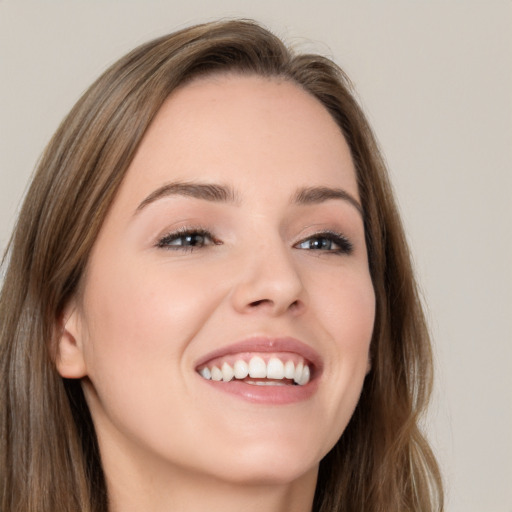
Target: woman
point(209, 300)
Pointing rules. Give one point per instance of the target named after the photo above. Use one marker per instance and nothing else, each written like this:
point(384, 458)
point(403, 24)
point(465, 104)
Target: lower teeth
point(265, 383)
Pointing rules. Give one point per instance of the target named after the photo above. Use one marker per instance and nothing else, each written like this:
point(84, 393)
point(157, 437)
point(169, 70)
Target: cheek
point(347, 312)
point(140, 319)
point(346, 307)
point(353, 328)
point(137, 328)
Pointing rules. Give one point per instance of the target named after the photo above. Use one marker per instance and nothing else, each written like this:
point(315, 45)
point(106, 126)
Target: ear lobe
point(70, 359)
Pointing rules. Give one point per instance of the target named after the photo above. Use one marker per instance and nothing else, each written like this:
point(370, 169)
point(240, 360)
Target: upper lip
point(266, 344)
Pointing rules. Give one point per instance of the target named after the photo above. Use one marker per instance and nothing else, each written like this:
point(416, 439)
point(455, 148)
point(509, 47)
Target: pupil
point(321, 243)
point(194, 239)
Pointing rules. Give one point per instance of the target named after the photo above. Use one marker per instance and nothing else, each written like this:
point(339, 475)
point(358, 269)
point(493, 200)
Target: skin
point(146, 314)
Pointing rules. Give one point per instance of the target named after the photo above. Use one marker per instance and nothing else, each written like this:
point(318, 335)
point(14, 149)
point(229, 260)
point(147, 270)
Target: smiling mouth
point(259, 370)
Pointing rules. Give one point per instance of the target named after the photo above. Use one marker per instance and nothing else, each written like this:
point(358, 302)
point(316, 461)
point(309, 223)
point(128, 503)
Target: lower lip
point(271, 395)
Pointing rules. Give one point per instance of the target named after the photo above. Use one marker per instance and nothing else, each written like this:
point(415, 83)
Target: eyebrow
point(206, 191)
point(226, 194)
point(316, 195)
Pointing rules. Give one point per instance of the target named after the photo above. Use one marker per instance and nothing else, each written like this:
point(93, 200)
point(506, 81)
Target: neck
point(193, 492)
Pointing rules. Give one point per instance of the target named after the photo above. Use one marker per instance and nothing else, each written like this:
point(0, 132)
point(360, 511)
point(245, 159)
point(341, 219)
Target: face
point(232, 259)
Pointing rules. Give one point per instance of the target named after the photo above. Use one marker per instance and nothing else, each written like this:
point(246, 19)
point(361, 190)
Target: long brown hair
point(49, 459)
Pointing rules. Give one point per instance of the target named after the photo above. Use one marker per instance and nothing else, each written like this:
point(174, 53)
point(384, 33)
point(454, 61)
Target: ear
point(70, 359)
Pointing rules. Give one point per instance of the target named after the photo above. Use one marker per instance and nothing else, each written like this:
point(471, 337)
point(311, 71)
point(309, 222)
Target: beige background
point(435, 79)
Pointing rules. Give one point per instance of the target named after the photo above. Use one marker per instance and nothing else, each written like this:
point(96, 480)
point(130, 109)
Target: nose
point(268, 280)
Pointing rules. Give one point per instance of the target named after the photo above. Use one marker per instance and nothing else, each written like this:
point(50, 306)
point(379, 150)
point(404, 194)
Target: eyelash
point(183, 233)
point(343, 243)
point(345, 246)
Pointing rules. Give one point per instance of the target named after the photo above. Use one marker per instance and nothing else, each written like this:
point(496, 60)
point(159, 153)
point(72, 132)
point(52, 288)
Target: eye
point(327, 242)
point(187, 239)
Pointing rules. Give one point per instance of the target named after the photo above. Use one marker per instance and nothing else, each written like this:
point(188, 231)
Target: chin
point(267, 465)
point(268, 476)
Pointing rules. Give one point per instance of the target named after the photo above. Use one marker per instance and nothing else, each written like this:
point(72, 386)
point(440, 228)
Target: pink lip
point(267, 394)
point(270, 395)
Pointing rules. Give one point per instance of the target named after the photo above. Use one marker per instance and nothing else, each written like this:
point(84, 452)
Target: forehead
point(246, 130)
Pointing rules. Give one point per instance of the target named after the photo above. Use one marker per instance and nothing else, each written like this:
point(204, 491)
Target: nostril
point(271, 304)
point(257, 303)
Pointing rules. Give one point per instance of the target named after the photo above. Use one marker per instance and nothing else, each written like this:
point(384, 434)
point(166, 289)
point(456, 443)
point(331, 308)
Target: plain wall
point(435, 79)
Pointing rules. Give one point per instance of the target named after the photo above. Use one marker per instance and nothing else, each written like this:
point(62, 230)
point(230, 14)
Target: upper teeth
point(257, 368)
